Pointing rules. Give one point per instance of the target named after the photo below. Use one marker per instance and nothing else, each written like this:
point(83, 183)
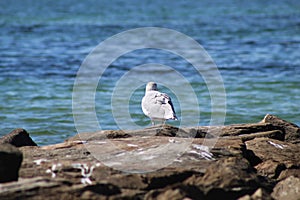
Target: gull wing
point(158, 105)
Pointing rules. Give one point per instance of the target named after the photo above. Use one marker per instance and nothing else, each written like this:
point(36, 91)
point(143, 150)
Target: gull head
point(151, 86)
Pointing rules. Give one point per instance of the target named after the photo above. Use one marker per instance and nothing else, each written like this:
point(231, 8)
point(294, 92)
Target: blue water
point(255, 44)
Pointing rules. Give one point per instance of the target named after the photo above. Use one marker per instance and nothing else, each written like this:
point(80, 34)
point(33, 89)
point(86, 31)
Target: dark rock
point(10, 162)
point(259, 194)
point(117, 134)
point(167, 130)
point(292, 131)
point(288, 188)
point(103, 189)
point(251, 157)
point(18, 137)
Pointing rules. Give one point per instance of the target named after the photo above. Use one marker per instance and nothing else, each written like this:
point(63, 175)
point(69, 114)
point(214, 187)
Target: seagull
point(156, 105)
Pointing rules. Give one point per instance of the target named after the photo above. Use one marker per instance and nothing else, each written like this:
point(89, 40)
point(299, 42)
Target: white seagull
point(156, 105)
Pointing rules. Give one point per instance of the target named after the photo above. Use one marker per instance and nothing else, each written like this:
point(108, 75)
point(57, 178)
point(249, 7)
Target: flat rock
point(10, 162)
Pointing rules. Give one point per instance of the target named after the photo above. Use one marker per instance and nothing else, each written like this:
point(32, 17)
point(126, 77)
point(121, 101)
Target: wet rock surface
point(247, 161)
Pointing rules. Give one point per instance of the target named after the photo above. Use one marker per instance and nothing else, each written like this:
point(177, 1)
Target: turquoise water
point(256, 46)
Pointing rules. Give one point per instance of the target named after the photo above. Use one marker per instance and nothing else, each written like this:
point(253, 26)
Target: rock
point(160, 162)
point(289, 172)
point(228, 178)
point(23, 189)
point(176, 192)
point(10, 162)
point(133, 181)
point(167, 130)
point(47, 188)
point(242, 129)
point(99, 135)
point(116, 134)
point(275, 134)
point(105, 189)
point(18, 137)
point(288, 188)
point(270, 168)
point(292, 131)
point(275, 156)
point(259, 194)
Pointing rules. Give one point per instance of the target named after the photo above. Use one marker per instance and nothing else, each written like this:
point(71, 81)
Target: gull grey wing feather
point(158, 105)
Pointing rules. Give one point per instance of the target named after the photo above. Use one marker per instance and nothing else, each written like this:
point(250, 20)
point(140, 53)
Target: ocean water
point(255, 45)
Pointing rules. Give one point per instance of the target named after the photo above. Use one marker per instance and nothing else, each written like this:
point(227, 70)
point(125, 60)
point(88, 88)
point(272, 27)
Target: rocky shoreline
point(247, 162)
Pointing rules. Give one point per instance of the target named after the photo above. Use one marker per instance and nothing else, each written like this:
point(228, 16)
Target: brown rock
point(133, 181)
point(270, 168)
point(245, 131)
point(176, 192)
point(242, 129)
point(161, 179)
point(275, 134)
point(292, 131)
point(167, 130)
point(228, 178)
point(55, 188)
point(275, 155)
point(288, 188)
point(99, 135)
point(289, 172)
point(18, 137)
point(10, 162)
point(99, 165)
point(23, 189)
